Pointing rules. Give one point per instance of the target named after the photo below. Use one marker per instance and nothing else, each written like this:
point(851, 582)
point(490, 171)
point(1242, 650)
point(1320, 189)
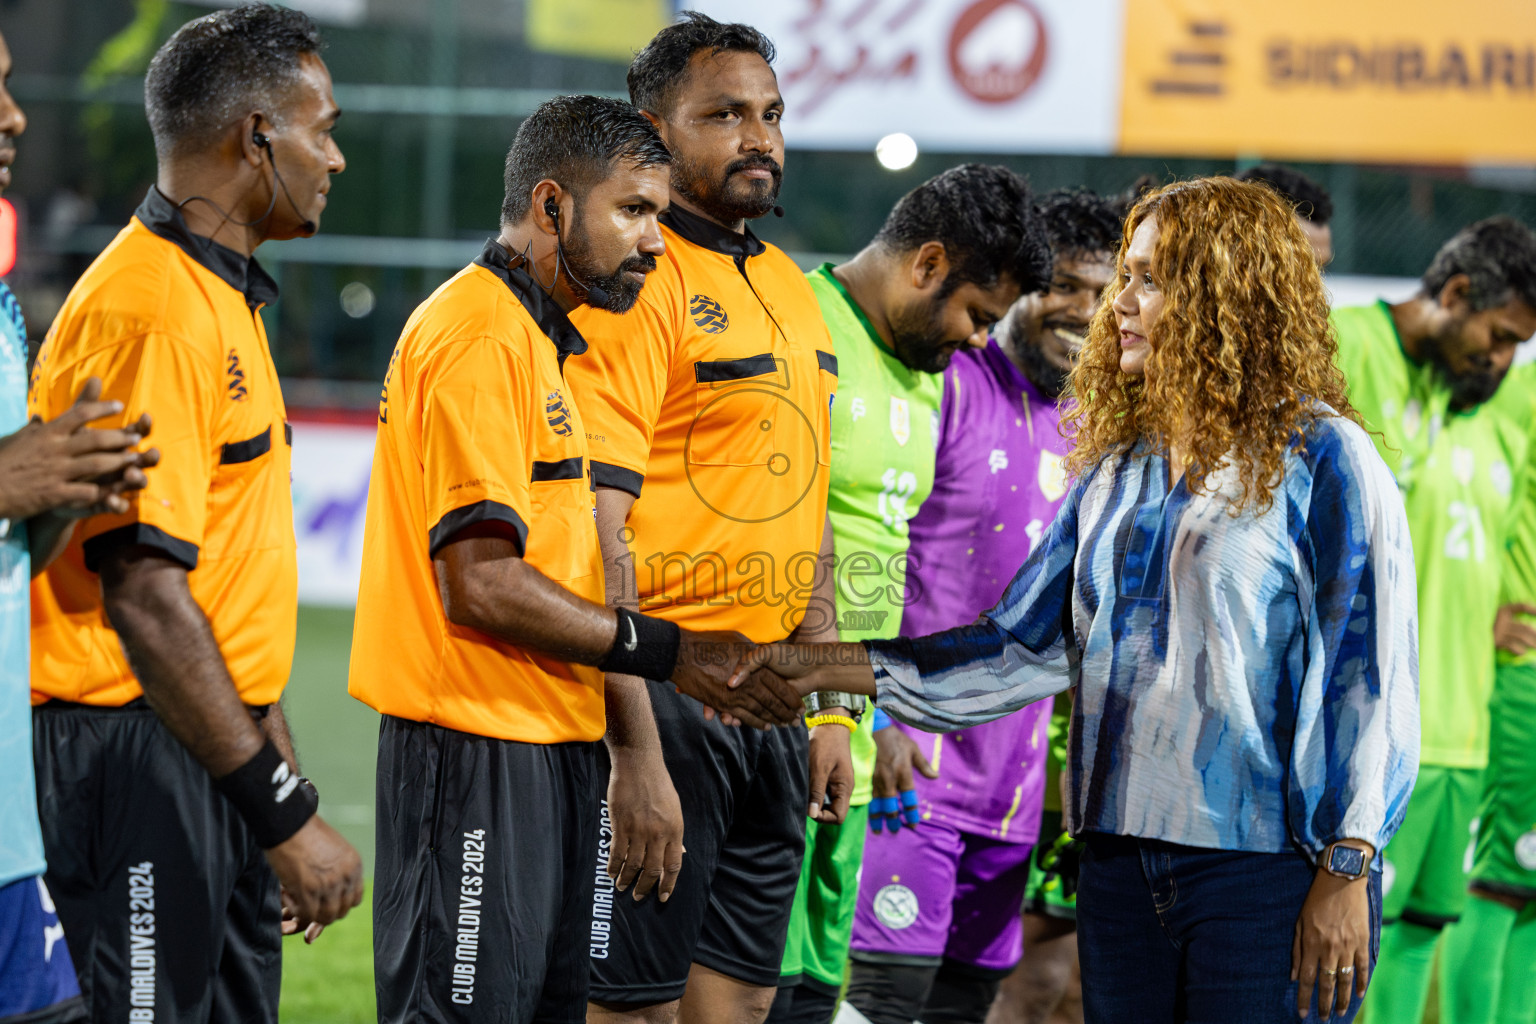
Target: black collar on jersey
point(242, 273)
point(549, 316)
point(709, 235)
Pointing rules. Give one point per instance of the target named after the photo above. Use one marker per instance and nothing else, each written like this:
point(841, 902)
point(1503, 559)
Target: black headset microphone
point(596, 295)
point(308, 226)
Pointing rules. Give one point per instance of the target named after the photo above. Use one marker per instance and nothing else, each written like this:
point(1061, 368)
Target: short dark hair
point(1082, 223)
point(660, 68)
point(985, 216)
point(1498, 254)
point(218, 68)
point(1311, 201)
point(575, 141)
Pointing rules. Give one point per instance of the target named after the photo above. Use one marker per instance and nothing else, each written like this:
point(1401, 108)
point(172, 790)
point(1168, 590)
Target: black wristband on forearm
point(268, 795)
point(644, 646)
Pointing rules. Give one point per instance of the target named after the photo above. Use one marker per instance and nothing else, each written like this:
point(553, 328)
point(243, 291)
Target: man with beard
point(708, 411)
point(481, 632)
point(938, 922)
point(951, 258)
point(1418, 372)
point(1486, 974)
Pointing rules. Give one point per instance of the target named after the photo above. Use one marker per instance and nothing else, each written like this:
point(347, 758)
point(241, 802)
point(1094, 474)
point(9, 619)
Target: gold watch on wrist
point(1345, 861)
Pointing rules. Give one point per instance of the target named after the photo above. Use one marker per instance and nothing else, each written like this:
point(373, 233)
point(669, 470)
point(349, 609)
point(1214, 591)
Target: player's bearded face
point(733, 192)
point(1046, 331)
point(619, 280)
point(920, 338)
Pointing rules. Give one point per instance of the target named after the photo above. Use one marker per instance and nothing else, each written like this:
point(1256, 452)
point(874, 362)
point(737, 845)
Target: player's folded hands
point(321, 877)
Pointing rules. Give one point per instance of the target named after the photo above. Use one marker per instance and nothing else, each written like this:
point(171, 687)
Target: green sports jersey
point(1456, 473)
point(1517, 399)
point(884, 422)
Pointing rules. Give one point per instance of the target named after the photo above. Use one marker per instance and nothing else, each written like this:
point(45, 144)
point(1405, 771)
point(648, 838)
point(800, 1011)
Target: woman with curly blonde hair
point(1228, 589)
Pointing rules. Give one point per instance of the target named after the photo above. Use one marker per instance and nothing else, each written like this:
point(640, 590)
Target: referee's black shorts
point(482, 894)
point(168, 906)
point(743, 794)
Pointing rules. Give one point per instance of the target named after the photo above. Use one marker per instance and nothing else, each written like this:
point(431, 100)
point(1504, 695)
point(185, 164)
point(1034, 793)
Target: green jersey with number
point(884, 422)
point(1456, 472)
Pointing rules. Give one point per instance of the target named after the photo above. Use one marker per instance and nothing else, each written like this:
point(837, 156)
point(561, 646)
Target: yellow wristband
point(842, 720)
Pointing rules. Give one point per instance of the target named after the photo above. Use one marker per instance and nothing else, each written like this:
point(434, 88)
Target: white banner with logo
point(956, 75)
point(331, 465)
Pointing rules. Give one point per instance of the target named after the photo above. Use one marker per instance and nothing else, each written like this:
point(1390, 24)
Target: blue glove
point(909, 812)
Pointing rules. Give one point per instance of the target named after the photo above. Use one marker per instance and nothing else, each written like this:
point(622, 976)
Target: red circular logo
point(997, 49)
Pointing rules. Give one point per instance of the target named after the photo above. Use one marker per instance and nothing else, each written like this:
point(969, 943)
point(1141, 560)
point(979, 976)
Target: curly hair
point(1242, 354)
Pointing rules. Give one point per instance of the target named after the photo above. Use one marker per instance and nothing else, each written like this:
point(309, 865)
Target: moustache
point(768, 163)
point(638, 264)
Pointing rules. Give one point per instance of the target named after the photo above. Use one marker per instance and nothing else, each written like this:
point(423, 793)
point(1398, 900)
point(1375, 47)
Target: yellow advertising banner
point(1409, 81)
point(605, 29)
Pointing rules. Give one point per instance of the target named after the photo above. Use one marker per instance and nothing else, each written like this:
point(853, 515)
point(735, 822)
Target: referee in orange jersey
point(481, 633)
point(709, 412)
point(162, 638)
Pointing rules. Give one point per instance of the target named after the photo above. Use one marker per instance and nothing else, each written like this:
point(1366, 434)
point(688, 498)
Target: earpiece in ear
point(260, 140)
point(552, 208)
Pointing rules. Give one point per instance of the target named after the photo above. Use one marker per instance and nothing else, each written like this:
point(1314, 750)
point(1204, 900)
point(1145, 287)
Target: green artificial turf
point(331, 982)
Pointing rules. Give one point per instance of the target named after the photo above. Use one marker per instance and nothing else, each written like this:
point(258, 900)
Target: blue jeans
point(1170, 933)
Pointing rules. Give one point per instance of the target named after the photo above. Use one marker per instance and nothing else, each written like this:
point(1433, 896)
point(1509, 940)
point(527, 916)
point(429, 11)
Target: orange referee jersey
point(711, 402)
point(476, 425)
point(169, 321)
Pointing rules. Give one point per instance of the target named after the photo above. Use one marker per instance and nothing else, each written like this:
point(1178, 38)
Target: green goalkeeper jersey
point(1517, 399)
point(884, 422)
point(1457, 473)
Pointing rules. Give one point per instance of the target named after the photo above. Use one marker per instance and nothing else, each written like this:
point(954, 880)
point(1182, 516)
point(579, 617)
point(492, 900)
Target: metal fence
point(433, 91)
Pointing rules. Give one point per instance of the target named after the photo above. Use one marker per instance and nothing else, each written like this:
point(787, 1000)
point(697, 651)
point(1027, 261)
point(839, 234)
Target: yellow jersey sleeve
point(474, 439)
point(175, 383)
point(619, 384)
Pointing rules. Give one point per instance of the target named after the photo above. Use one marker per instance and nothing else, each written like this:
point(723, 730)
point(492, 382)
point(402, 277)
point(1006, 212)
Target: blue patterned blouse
point(1244, 682)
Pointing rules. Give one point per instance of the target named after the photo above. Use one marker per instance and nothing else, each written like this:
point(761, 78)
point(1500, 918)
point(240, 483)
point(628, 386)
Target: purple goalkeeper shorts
point(935, 892)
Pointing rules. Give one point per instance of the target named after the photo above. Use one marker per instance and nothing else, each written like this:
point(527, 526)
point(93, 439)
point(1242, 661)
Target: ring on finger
point(1330, 971)
point(1346, 970)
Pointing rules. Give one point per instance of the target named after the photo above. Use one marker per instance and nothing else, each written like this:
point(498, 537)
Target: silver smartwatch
point(824, 700)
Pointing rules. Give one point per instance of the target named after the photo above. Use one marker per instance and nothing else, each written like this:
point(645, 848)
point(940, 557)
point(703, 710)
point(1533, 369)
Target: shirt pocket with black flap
point(738, 404)
point(249, 489)
point(562, 536)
